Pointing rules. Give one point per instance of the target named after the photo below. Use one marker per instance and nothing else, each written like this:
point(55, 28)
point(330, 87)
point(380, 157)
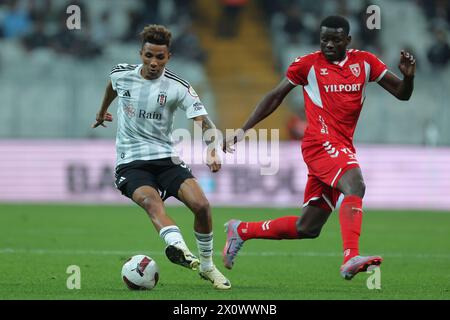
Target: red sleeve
point(377, 67)
point(297, 73)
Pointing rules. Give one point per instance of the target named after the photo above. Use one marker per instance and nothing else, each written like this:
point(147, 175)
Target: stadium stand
point(42, 77)
point(62, 85)
point(401, 123)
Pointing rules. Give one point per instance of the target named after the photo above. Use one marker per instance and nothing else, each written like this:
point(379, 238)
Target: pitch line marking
point(243, 253)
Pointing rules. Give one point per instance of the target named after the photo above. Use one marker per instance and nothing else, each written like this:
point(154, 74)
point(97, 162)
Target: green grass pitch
point(39, 242)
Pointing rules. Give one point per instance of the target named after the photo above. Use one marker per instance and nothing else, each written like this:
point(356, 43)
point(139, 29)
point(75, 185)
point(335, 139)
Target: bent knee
point(200, 206)
point(307, 233)
point(152, 206)
point(357, 188)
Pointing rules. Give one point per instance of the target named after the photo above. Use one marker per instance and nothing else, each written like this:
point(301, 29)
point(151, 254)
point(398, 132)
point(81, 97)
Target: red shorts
point(327, 162)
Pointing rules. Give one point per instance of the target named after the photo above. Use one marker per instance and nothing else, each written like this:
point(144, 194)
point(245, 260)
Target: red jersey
point(334, 92)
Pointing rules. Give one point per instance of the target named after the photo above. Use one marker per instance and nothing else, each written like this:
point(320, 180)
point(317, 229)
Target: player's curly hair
point(156, 34)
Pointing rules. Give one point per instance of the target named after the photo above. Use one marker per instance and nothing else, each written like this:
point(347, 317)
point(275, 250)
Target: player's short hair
point(156, 34)
point(336, 22)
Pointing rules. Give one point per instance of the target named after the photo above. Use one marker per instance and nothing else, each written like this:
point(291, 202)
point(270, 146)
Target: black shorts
point(162, 174)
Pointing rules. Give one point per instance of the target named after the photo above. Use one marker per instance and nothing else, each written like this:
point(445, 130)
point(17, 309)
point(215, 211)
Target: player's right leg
point(136, 181)
point(176, 251)
point(336, 167)
point(191, 194)
point(351, 184)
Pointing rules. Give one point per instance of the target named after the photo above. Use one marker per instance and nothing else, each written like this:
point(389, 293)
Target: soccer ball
point(140, 272)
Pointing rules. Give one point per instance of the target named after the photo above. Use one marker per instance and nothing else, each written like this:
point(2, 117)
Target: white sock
point(172, 236)
point(205, 249)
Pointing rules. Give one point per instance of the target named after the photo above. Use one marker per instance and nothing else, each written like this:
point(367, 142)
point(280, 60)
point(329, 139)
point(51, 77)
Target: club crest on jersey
point(355, 69)
point(162, 99)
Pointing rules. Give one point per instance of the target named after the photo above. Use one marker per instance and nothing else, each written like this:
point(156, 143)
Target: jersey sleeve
point(191, 104)
point(297, 73)
point(115, 74)
point(377, 68)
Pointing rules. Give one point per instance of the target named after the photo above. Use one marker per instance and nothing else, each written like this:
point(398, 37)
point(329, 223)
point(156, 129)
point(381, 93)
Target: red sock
point(281, 228)
point(350, 217)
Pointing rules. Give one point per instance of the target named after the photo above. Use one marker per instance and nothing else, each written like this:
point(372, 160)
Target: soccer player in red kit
point(334, 81)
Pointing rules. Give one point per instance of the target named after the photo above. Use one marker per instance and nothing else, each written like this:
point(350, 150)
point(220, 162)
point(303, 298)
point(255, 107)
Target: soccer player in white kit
point(147, 168)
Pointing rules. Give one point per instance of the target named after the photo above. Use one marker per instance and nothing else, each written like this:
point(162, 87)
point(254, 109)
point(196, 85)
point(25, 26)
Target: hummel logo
point(126, 94)
point(323, 71)
point(265, 225)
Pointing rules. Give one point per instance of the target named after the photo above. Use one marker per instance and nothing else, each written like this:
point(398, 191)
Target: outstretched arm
point(210, 136)
point(401, 89)
point(263, 109)
point(268, 104)
point(103, 115)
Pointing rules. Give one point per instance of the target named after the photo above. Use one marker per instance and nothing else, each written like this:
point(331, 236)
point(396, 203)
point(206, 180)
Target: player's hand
point(407, 64)
point(231, 140)
point(213, 160)
point(100, 118)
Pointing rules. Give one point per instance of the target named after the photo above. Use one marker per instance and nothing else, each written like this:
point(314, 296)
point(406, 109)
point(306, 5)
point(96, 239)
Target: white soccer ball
point(140, 272)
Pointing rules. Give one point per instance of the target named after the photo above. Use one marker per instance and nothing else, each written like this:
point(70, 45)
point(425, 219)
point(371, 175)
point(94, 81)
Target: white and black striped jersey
point(146, 110)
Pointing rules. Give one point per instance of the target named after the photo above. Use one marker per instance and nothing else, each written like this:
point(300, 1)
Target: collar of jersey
point(342, 62)
point(337, 63)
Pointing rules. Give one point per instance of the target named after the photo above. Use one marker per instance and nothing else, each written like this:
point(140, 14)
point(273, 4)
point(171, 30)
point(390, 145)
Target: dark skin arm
point(103, 115)
point(263, 109)
point(401, 89)
point(209, 136)
point(268, 104)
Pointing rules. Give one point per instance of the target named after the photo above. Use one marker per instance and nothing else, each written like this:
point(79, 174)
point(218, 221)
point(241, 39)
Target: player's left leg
point(351, 184)
point(191, 194)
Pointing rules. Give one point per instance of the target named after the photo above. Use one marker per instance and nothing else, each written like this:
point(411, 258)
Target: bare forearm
point(209, 130)
point(263, 109)
point(207, 124)
point(108, 98)
point(407, 67)
point(405, 89)
point(210, 136)
point(401, 89)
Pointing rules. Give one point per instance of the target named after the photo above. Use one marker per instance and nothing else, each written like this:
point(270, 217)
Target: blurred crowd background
point(52, 79)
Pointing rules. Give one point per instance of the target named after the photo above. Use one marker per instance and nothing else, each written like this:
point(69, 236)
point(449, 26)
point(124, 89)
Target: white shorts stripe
point(335, 177)
point(328, 202)
point(311, 199)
